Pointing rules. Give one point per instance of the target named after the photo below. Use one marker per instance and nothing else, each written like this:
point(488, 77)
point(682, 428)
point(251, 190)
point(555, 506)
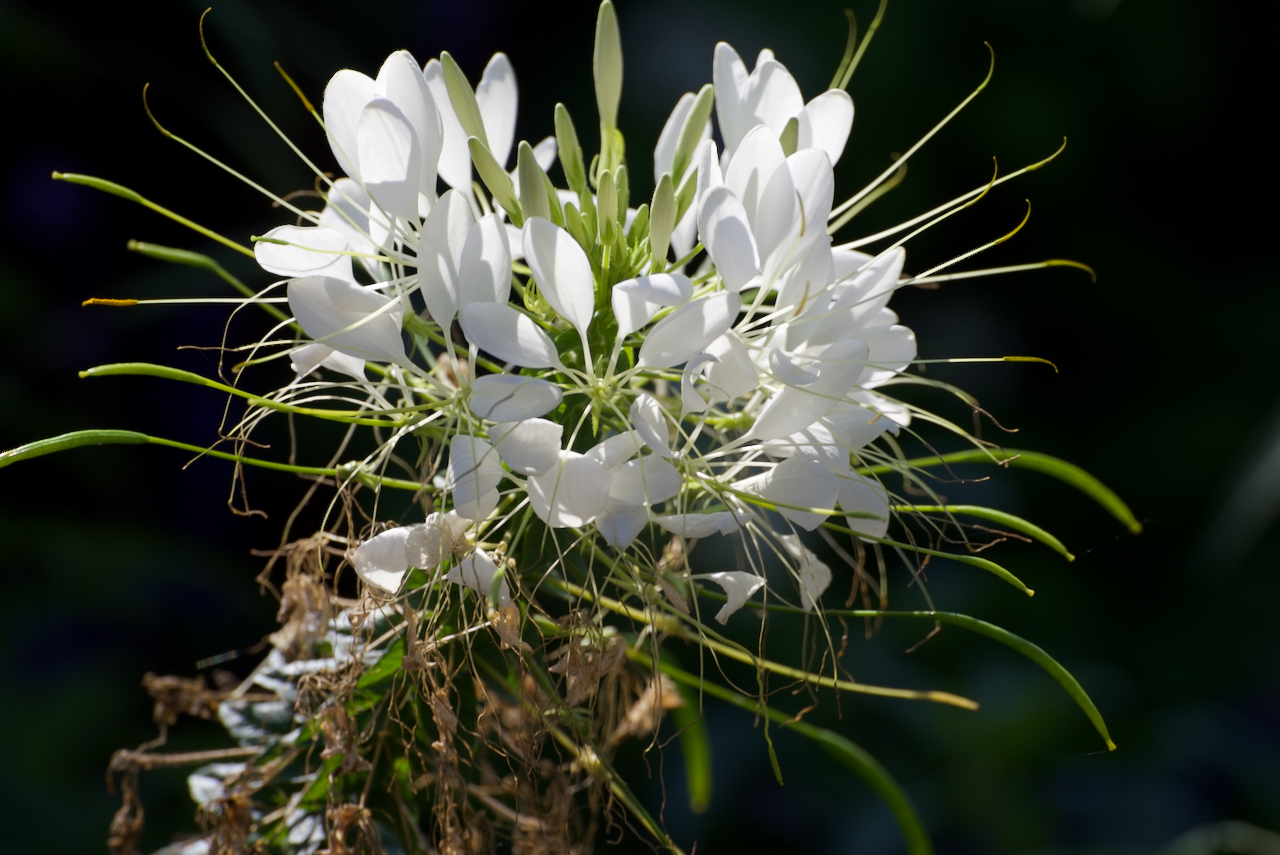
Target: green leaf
point(319, 789)
point(385, 667)
point(606, 65)
point(1066, 472)
point(790, 137)
point(496, 179)
point(695, 745)
point(533, 189)
point(662, 219)
point(463, 99)
point(1010, 521)
point(575, 171)
point(691, 132)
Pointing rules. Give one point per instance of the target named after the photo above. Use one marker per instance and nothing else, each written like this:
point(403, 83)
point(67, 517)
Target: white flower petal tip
point(509, 335)
point(382, 560)
point(435, 540)
point(309, 357)
point(389, 157)
point(701, 525)
point(572, 493)
point(738, 587)
point(620, 524)
point(795, 483)
point(813, 574)
point(863, 495)
point(562, 271)
point(649, 422)
point(636, 301)
point(644, 482)
point(617, 450)
point(689, 330)
point(473, 475)
point(510, 398)
point(476, 572)
point(529, 447)
point(295, 251)
point(348, 318)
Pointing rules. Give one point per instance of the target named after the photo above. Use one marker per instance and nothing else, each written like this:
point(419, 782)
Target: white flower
point(738, 588)
point(769, 96)
point(811, 572)
point(476, 572)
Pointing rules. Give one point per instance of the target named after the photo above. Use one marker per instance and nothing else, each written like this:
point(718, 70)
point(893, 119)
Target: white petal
point(473, 476)
point(649, 422)
point(346, 210)
point(788, 370)
point(304, 252)
point(664, 153)
point(818, 442)
point(401, 82)
point(435, 540)
point(485, 272)
point(726, 234)
point(617, 450)
point(621, 524)
point(636, 301)
point(729, 76)
point(795, 408)
point(562, 271)
point(344, 100)
point(455, 157)
point(700, 525)
point(777, 224)
point(825, 123)
point(476, 572)
point(572, 493)
point(684, 333)
point(645, 481)
point(815, 185)
point(751, 167)
point(802, 482)
point(734, 374)
point(390, 159)
point(544, 153)
point(773, 97)
point(440, 244)
point(867, 495)
point(508, 335)
point(348, 318)
point(738, 588)
point(529, 447)
point(814, 574)
point(692, 399)
point(892, 349)
point(511, 398)
point(309, 357)
point(804, 286)
point(381, 561)
point(497, 96)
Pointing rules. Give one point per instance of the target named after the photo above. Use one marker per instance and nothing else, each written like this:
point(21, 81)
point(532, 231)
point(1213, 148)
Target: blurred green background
point(117, 561)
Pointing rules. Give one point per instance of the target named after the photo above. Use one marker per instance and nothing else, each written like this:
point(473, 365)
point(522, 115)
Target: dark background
point(117, 561)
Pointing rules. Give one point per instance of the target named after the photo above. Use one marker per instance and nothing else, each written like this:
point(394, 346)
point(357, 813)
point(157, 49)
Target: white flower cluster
point(587, 374)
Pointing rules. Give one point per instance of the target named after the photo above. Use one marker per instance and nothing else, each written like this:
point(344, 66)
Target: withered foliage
point(409, 724)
